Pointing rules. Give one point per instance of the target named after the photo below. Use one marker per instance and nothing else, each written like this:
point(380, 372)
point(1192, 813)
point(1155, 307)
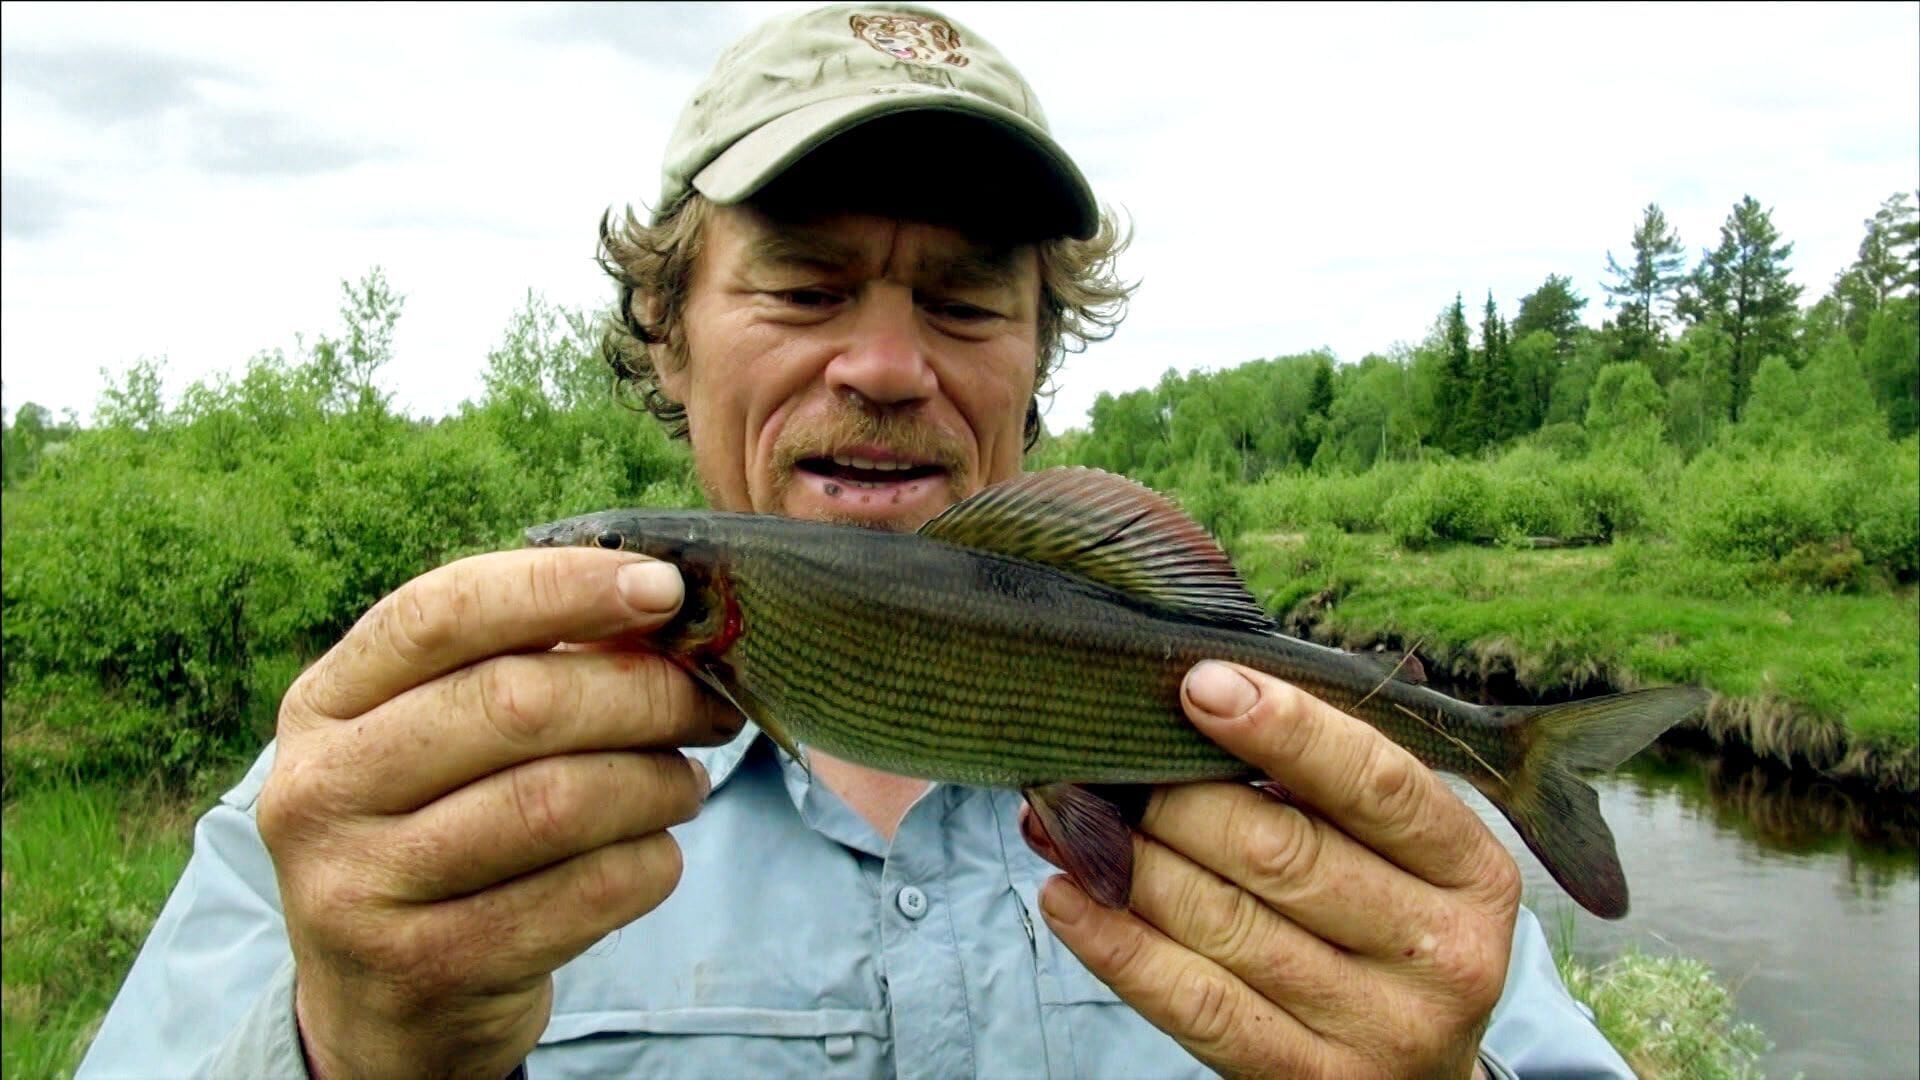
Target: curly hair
point(1082, 300)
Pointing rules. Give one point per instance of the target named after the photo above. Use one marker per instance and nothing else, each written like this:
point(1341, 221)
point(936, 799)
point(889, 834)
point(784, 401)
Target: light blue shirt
point(798, 943)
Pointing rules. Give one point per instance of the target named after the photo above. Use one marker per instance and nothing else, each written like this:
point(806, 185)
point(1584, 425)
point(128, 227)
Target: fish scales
point(974, 667)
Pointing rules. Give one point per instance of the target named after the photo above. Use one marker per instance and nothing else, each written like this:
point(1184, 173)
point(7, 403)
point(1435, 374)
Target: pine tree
point(1649, 288)
point(1553, 307)
point(1886, 266)
point(1742, 285)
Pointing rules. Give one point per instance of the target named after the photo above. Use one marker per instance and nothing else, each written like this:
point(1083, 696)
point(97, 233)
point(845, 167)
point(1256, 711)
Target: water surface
point(1805, 899)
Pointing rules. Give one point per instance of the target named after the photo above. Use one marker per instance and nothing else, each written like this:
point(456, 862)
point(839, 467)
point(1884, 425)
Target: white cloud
point(196, 181)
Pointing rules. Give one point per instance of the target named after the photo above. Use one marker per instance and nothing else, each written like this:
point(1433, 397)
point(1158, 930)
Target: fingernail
point(1220, 691)
point(650, 587)
point(700, 773)
point(1062, 900)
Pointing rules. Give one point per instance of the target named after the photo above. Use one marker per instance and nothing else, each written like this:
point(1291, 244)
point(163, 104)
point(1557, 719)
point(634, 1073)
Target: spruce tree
point(1313, 425)
point(1495, 401)
point(1455, 398)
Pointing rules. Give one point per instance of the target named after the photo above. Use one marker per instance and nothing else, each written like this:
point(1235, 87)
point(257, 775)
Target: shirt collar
point(723, 761)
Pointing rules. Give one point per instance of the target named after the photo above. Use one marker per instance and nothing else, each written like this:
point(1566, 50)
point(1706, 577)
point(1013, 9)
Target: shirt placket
point(920, 954)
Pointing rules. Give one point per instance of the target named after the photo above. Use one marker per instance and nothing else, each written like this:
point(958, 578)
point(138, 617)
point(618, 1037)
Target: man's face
point(855, 368)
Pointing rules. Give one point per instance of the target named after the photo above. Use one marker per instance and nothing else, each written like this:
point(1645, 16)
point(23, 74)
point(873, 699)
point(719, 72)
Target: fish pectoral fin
point(1091, 836)
point(751, 707)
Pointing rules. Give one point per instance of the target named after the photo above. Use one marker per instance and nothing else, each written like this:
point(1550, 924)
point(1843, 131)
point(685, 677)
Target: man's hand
point(1360, 930)
point(457, 808)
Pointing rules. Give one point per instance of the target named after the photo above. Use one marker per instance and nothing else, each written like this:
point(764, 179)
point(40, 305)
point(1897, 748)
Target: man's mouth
point(862, 470)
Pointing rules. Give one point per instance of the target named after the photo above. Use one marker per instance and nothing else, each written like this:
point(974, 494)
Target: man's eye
point(809, 298)
point(962, 312)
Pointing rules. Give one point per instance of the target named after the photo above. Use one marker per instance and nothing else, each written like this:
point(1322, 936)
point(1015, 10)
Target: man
point(866, 257)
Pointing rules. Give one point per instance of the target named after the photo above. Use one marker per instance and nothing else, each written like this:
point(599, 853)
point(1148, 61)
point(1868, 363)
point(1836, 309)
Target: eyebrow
point(810, 251)
point(977, 267)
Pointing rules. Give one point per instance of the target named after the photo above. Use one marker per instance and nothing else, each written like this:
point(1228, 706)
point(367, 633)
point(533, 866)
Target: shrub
point(1755, 507)
point(1606, 498)
point(1448, 501)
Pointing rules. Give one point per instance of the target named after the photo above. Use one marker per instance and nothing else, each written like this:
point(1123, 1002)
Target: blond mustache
point(845, 425)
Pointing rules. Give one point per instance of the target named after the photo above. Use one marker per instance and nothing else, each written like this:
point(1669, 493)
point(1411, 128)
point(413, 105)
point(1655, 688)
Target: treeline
point(171, 567)
point(1694, 351)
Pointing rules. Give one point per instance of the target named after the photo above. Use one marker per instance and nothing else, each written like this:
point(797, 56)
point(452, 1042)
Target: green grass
point(1669, 1016)
point(1794, 665)
point(88, 867)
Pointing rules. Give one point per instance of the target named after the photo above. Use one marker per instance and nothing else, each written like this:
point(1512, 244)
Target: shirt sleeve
point(1538, 1031)
point(211, 993)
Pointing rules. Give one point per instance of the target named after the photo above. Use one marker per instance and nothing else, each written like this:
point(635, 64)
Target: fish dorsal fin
point(1108, 529)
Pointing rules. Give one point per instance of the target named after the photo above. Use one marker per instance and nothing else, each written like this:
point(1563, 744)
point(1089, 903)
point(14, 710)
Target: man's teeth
point(846, 462)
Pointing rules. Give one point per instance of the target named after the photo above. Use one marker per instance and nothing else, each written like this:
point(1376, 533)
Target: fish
point(1035, 635)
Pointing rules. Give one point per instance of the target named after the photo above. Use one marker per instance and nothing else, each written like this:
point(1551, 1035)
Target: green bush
point(1751, 507)
point(1213, 501)
point(1451, 500)
point(1606, 498)
point(1769, 505)
point(169, 572)
point(155, 585)
point(1529, 496)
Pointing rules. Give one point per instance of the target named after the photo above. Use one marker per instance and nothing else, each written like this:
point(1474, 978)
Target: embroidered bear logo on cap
point(915, 39)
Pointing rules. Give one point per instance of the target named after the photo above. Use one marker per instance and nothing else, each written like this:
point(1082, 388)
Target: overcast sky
point(194, 182)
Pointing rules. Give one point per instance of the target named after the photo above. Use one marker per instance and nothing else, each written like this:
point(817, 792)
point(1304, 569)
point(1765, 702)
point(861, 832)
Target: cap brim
point(769, 151)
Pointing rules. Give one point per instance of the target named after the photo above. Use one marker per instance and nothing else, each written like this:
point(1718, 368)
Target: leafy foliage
point(171, 569)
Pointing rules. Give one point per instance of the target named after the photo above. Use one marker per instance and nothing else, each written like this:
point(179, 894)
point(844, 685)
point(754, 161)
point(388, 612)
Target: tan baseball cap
point(910, 103)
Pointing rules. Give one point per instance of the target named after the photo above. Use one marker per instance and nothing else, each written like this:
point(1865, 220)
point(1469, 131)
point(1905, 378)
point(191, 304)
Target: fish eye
point(611, 540)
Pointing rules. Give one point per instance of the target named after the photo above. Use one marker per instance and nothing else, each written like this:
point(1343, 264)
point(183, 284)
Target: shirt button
point(911, 902)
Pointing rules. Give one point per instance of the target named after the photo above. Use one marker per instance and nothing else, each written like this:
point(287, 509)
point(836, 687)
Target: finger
point(1282, 962)
point(1354, 776)
point(539, 814)
point(533, 925)
point(500, 712)
point(506, 601)
point(1298, 865)
point(1208, 1009)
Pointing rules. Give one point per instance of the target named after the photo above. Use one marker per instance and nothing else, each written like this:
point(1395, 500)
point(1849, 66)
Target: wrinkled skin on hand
point(1359, 926)
point(457, 806)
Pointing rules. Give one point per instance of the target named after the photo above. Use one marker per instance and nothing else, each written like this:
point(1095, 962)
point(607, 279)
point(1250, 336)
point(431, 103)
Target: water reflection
point(1789, 813)
point(1803, 896)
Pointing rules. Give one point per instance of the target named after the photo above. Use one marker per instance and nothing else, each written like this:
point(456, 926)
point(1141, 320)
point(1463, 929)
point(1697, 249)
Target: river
point(1803, 898)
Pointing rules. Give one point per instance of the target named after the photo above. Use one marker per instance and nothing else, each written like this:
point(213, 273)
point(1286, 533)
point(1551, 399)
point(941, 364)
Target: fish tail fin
point(1556, 812)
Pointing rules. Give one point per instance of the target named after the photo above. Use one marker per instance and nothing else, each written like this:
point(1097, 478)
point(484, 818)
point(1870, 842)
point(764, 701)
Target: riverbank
point(1820, 683)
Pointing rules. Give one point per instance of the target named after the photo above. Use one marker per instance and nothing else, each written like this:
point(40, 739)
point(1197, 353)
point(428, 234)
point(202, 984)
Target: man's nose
point(885, 362)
